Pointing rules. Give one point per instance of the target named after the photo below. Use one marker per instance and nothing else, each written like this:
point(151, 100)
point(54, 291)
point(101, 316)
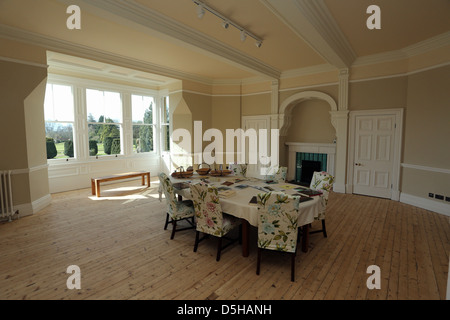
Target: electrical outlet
point(439, 197)
point(431, 195)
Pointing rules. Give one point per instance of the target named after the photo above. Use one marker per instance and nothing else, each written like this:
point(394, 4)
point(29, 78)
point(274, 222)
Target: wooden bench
point(95, 182)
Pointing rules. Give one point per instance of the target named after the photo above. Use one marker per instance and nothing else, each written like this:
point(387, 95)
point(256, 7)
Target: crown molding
point(133, 13)
point(416, 49)
point(29, 63)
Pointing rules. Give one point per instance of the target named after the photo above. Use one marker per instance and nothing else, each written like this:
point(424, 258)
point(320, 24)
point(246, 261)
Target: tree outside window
point(104, 110)
point(143, 110)
point(59, 120)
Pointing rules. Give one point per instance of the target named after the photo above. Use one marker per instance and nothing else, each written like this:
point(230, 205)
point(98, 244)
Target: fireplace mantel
point(327, 148)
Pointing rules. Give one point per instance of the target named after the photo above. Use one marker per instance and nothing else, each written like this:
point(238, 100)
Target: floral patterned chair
point(277, 225)
point(279, 175)
point(239, 170)
point(177, 210)
point(323, 182)
point(210, 218)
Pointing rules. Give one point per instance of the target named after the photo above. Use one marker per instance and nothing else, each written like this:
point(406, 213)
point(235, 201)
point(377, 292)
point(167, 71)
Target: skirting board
point(424, 203)
point(28, 209)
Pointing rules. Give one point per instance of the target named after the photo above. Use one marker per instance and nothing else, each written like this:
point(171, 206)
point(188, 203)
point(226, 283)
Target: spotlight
point(200, 11)
point(258, 44)
point(243, 36)
point(225, 25)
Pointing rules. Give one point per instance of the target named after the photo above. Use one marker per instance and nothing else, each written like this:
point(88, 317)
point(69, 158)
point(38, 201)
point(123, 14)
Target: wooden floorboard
point(123, 252)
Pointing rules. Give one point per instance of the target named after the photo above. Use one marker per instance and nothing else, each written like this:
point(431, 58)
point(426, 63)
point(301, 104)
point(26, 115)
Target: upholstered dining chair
point(210, 218)
point(176, 210)
point(323, 182)
point(279, 175)
point(277, 225)
point(239, 170)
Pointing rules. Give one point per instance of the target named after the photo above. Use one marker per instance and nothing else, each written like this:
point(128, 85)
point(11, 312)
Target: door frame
point(398, 140)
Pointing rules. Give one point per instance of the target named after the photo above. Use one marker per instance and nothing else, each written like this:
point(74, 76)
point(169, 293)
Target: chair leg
point(174, 228)
point(293, 267)
point(324, 230)
point(219, 248)
point(197, 239)
point(258, 261)
point(167, 221)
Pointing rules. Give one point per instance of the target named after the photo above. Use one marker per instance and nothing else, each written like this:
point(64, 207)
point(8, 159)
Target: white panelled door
point(256, 122)
point(373, 162)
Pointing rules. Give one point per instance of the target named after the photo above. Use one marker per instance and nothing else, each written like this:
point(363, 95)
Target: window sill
point(108, 158)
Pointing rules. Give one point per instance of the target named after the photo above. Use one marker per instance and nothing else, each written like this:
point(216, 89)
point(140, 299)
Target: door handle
point(358, 164)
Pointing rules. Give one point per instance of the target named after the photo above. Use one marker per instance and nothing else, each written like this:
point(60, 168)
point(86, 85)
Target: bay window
point(88, 120)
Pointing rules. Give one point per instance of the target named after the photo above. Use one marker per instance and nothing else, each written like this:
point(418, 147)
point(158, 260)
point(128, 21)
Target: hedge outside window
point(59, 120)
point(143, 111)
point(104, 117)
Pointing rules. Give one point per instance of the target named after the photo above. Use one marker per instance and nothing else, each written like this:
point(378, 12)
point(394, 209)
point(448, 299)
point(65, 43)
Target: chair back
point(279, 174)
point(169, 193)
point(239, 170)
point(208, 210)
point(322, 181)
point(277, 221)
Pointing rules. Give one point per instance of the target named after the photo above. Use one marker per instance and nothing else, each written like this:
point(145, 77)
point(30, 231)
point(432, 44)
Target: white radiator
point(6, 197)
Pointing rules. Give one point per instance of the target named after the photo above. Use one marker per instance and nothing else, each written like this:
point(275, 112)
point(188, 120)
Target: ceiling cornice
point(419, 48)
point(313, 22)
point(133, 13)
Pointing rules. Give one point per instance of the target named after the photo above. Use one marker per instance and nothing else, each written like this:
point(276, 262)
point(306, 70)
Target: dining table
point(236, 194)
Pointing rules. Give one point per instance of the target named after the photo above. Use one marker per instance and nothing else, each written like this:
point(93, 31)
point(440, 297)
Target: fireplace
point(307, 168)
point(312, 154)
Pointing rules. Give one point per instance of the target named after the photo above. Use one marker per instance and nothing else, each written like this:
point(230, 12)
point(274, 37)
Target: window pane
point(103, 106)
point(113, 107)
point(95, 105)
point(102, 139)
point(58, 105)
point(48, 103)
point(143, 138)
point(63, 103)
point(142, 109)
point(59, 140)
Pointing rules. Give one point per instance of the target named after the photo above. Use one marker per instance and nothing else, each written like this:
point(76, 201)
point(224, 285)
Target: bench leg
point(148, 179)
point(93, 186)
point(97, 188)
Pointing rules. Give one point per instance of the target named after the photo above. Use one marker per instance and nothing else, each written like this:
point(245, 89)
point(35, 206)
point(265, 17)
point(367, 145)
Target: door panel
point(373, 158)
point(263, 122)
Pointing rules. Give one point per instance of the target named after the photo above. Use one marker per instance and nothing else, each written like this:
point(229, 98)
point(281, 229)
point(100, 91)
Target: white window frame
point(120, 124)
point(75, 155)
point(154, 124)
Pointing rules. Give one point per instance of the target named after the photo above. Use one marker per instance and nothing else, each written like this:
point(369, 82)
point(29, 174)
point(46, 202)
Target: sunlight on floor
point(128, 193)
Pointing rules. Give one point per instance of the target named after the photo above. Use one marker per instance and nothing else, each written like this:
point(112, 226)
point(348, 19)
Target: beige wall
point(425, 98)
point(311, 123)
point(256, 104)
point(427, 129)
point(388, 93)
point(22, 90)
